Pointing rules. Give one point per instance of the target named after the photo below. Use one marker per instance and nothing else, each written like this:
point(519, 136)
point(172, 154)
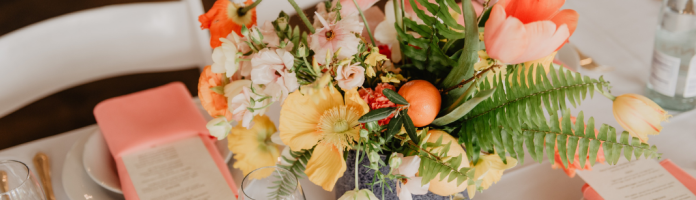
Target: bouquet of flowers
point(450, 92)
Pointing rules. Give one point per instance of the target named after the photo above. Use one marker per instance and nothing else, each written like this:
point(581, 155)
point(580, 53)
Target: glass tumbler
point(18, 183)
point(271, 183)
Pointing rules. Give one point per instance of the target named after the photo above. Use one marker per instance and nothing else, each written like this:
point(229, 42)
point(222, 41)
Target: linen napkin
point(590, 194)
point(160, 115)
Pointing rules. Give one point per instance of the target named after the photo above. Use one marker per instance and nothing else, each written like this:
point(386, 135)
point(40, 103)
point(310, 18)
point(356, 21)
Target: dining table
point(618, 35)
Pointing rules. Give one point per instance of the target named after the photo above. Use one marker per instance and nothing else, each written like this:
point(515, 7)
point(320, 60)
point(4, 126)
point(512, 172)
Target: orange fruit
point(424, 99)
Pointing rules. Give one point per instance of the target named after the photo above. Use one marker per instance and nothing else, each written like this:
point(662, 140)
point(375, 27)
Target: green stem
point(246, 9)
point(369, 32)
point(606, 94)
point(302, 16)
point(357, 156)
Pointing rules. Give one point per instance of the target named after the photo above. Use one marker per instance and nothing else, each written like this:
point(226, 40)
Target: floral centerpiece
point(450, 93)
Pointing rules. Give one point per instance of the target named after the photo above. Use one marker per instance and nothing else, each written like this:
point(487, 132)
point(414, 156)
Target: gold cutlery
point(4, 185)
point(43, 168)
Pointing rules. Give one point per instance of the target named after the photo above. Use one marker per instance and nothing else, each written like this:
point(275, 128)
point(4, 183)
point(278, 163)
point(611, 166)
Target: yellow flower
point(639, 115)
point(393, 78)
point(374, 57)
point(253, 147)
point(315, 90)
point(370, 72)
point(329, 126)
point(232, 13)
point(489, 169)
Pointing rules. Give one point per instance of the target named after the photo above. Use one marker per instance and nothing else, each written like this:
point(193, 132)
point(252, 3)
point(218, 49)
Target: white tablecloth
point(617, 33)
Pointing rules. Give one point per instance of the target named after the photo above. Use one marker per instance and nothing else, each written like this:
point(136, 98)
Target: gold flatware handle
point(4, 186)
point(43, 168)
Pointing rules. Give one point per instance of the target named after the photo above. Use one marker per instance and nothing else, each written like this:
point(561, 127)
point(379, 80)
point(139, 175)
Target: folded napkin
point(590, 194)
point(138, 121)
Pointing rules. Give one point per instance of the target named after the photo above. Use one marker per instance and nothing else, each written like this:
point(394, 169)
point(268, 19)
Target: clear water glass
point(21, 183)
point(271, 183)
point(672, 81)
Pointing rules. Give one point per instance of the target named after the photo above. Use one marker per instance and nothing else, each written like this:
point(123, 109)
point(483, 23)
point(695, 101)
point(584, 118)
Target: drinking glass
point(271, 183)
point(20, 182)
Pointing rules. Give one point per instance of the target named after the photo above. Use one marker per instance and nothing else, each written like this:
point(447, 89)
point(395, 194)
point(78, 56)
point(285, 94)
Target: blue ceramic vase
point(365, 176)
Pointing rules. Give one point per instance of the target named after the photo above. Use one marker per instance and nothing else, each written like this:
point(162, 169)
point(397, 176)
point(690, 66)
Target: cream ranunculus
point(639, 115)
point(350, 76)
point(226, 56)
point(271, 67)
point(363, 194)
point(219, 127)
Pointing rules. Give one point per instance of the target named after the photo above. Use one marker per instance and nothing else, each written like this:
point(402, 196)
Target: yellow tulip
point(443, 187)
point(639, 115)
point(489, 169)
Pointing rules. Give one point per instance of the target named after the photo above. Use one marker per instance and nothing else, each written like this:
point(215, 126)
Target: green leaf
point(572, 146)
point(594, 150)
point(410, 128)
point(421, 15)
point(464, 68)
point(377, 114)
point(394, 97)
point(484, 17)
point(418, 28)
point(419, 42)
point(584, 147)
point(463, 109)
point(413, 53)
point(394, 126)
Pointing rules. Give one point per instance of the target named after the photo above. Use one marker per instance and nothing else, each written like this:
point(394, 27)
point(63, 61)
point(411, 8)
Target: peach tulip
point(523, 30)
point(639, 115)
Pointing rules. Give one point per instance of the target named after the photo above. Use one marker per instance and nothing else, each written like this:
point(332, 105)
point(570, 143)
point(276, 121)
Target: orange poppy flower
point(224, 17)
point(213, 102)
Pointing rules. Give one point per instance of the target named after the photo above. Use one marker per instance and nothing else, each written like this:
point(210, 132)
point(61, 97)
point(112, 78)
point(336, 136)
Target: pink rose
point(350, 76)
point(271, 67)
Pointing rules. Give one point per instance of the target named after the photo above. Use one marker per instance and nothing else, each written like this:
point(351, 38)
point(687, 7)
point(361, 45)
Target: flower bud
point(219, 127)
point(373, 156)
point(639, 115)
point(394, 161)
point(373, 126)
point(363, 133)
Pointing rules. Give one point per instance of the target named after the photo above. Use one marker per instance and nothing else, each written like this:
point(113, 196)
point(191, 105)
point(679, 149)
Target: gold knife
point(4, 185)
point(44, 170)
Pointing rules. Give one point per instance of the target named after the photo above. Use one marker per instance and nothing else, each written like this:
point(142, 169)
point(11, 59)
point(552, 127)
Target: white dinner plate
point(77, 184)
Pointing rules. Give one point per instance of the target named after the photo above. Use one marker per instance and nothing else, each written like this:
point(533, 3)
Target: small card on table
point(182, 170)
point(643, 179)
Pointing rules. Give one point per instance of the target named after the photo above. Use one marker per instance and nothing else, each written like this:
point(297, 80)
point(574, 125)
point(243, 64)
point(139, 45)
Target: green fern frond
point(433, 164)
point(296, 165)
point(297, 162)
point(522, 96)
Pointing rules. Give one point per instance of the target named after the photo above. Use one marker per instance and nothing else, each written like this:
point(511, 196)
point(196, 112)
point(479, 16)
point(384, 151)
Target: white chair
point(72, 49)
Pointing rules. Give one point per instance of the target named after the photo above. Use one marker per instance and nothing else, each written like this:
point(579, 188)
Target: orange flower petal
point(533, 10)
point(543, 39)
point(214, 103)
point(505, 38)
point(220, 24)
point(325, 166)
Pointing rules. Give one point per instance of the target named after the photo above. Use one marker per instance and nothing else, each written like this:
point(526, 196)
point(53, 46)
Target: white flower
point(386, 32)
point(411, 185)
point(334, 36)
point(271, 67)
point(226, 56)
point(246, 105)
point(233, 89)
point(219, 127)
point(363, 194)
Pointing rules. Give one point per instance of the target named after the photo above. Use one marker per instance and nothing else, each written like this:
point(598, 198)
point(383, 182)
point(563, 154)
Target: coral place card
point(643, 179)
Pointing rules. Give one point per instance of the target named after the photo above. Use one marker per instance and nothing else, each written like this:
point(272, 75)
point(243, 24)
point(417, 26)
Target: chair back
point(76, 48)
